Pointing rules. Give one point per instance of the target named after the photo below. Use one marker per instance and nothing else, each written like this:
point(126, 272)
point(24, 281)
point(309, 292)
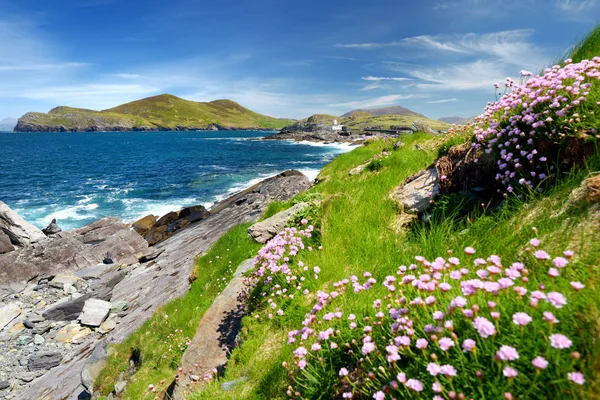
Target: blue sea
point(80, 177)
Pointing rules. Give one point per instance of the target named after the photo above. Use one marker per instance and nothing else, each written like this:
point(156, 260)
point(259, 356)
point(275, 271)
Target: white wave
point(311, 173)
point(341, 147)
point(76, 213)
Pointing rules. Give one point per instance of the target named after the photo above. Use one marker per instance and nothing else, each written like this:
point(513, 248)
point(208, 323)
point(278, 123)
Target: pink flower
point(433, 369)
point(445, 343)
point(576, 377)
point(560, 262)
point(448, 370)
point(541, 255)
point(521, 318)
point(401, 377)
point(549, 317)
point(559, 341)
point(379, 395)
point(534, 242)
point(469, 250)
point(343, 372)
point(468, 345)
point(302, 364)
point(484, 327)
point(436, 387)
point(556, 299)
point(422, 344)
point(392, 353)
point(507, 353)
point(577, 286)
point(347, 395)
point(315, 347)
point(539, 362)
point(510, 372)
point(553, 273)
point(414, 384)
point(569, 253)
point(367, 348)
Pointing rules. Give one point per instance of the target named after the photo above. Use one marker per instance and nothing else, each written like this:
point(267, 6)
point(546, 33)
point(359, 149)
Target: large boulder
point(45, 360)
point(416, 194)
point(144, 225)
point(52, 229)
point(264, 230)
point(155, 231)
point(421, 126)
point(20, 232)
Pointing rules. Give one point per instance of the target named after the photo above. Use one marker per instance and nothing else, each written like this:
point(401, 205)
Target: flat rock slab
point(415, 195)
point(20, 231)
point(265, 230)
point(8, 313)
point(72, 333)
point(94, 312)
point(44, 361)
point(215, 336)
point(60, 281)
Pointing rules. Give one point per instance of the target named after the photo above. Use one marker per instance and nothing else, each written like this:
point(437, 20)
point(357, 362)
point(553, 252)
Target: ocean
point(78, 178)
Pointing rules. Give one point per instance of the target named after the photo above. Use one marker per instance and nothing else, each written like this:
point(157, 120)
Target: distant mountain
point(7, 124)
point(456, 120)
point(393, 110)
point(157, 113)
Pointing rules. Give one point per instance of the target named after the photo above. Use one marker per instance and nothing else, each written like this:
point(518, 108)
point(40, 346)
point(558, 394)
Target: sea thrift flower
point(541, 255)
point(560, 262)
point(468, 345)
point(549, 317)
point(507, 353)
point(379, 395)
point(433, 369)
point(577, 285)
point(521, 319)
point(469, 251)
point(448, 370)
point(484, 327)
point(559, 341)
point(556, 299)
point(422, 344)
point(445, 343)
point(576, 377)
point(510, 372)
point(343, 372)
point(539, 362)
point(414, 384)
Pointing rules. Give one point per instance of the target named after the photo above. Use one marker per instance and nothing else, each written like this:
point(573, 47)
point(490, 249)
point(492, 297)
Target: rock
point(264, 230)
point(150, 255)
point(94, 272)
point(28, 324)
point(52, 229)
point(167, 219)
point(94, 312)
point(61, 281)
point(588, 193)
point(71, 333)
point(93, 366)
point(24, 340)
point(4, 384)
point(26, 377)
point(120, 387)
point(46, 360)
point(41, 328)
point(16, 328)
point(415, 195)
point(8, 313)
point(421, 126)
point(20, 232)
point(38, 340)
point(145, 224)
point(194, 213)
point(5, 243)
point(118, 306)
point(35, 318)
point(107, 326)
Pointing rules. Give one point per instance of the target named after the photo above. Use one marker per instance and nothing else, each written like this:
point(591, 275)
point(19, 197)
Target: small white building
point(336, 127)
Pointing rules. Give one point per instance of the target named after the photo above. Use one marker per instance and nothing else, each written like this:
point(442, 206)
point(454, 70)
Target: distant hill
point(163, 112)
point(7, 124)
point(393, 110)
point(456, 120)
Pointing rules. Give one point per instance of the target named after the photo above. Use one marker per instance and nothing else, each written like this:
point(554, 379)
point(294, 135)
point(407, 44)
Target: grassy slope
point(161, 339)
point(164, 111)
point(362, 120)
point(362, 240)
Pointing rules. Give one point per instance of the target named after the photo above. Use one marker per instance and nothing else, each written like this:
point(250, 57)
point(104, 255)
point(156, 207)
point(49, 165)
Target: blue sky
point(282, 58)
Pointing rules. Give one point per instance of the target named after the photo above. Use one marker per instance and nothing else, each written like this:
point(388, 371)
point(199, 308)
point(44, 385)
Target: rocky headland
point(66, 295)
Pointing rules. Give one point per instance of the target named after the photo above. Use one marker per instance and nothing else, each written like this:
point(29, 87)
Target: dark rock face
point(52, 229)
point(44, 361)
point(168, 224)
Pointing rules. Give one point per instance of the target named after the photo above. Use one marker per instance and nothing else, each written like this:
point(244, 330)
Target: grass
point(165, 112)
point(356, 236)
point(160, 342)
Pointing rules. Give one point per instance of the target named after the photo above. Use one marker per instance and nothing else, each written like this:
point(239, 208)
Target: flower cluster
point(443, 328)
point(276, 278)
point(531, 117)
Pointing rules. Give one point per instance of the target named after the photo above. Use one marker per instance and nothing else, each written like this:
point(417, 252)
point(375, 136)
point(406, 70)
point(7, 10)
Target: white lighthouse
point(336, 127)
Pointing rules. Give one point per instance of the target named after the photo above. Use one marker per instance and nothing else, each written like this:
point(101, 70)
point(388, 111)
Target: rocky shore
point(66, 296)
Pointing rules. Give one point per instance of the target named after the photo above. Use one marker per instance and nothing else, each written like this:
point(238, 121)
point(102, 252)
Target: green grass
point(357, 236)
point(588, 47)
point(155, 338)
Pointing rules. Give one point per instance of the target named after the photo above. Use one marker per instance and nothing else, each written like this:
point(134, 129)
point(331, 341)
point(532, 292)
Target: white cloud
point(127, 76)
point(381, 78)
point(475, 75)
point(575, 6)
point(452, 100)
point(40, 67)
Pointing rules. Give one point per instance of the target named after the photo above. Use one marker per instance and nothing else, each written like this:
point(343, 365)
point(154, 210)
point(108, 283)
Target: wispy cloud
point(382, 78)
point(575, 6)
point(41, 67)
point(452, 100)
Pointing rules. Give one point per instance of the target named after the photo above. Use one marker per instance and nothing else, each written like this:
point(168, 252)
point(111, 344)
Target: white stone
point(415, 196)
point(8, 313)
point(94, 312)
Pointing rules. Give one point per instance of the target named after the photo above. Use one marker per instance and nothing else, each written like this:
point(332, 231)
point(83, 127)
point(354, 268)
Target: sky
point(282, 58)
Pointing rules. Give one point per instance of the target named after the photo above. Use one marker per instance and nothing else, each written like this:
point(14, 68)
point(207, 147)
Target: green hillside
point(163, 112)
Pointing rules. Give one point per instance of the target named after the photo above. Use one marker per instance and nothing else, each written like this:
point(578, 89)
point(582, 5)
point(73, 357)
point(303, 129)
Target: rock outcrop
point(264, 230)
point(52, 228)
point(415, 195)
point(134, 292)
point(168, 224)
point(20, 232)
